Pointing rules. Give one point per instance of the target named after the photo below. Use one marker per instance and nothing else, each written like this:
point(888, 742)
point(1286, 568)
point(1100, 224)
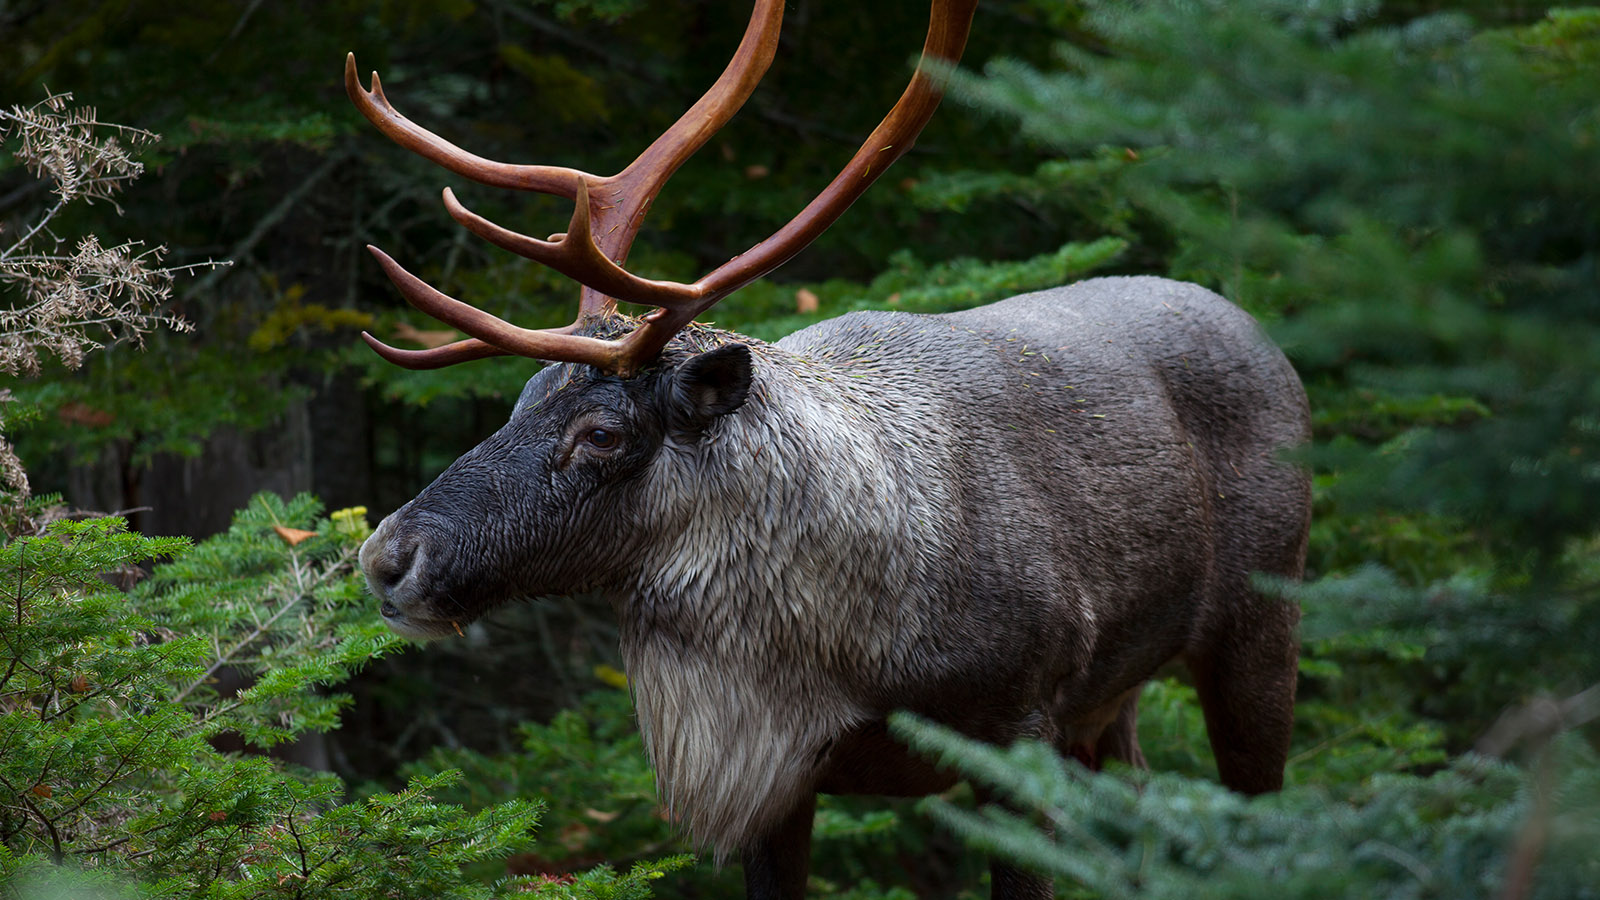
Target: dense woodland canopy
point(1405, 194)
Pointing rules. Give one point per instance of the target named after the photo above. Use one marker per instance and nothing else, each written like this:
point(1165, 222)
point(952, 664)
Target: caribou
point(1005, 519)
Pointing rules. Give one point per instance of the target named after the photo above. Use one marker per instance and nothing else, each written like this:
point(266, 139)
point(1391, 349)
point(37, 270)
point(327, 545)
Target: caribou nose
point(399, 566)
point(387, 562)
point(388, 567)
point(391, 568)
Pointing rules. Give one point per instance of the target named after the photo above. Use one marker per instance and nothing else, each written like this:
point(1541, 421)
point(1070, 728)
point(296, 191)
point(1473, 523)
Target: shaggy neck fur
point(725, 639)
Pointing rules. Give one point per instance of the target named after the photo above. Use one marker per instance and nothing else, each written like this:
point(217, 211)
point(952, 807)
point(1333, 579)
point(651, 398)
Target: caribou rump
point(1004, 519)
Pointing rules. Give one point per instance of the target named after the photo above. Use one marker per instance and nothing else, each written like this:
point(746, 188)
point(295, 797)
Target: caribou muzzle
point(402, 573)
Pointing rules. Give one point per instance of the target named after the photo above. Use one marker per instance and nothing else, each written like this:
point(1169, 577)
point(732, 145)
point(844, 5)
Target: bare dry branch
point(67, 299)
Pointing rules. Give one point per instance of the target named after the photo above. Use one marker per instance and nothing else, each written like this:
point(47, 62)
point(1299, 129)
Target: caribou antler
point(608, 210)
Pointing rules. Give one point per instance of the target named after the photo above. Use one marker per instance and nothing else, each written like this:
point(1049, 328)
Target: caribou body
point(1004, 519)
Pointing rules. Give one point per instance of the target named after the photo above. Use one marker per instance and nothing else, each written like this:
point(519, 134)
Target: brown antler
point(608, 211)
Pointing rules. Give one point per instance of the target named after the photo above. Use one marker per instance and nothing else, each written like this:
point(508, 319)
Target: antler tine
point(436, 357)
point(575, 254)
point(555, 345)
point(408, 134)
point(632, 190)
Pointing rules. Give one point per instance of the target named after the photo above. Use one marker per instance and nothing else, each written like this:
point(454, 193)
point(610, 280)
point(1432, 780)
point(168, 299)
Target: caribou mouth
point(418, 628)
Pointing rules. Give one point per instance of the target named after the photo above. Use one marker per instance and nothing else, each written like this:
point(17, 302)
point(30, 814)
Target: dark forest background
point(1405, 194)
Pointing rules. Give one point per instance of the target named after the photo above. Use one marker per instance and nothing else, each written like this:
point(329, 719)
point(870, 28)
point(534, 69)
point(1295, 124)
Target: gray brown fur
point(1004, 519)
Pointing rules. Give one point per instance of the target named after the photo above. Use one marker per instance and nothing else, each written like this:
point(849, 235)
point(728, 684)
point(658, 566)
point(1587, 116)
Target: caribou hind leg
point(1245, 656)
point(1245, 677)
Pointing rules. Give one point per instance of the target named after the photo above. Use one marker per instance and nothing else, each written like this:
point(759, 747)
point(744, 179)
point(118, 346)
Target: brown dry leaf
point(80, 683)
point(42, 790)
point(805, 301)
point(292, 536)
point(757, 171)
point(75, 413)
point(574, 836)
point(406, 331)
point(894, 298)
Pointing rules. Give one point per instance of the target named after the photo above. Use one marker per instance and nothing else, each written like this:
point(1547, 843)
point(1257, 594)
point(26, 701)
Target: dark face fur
point(558, 500)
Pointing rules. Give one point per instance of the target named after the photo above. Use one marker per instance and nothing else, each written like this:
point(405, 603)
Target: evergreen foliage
point(1450, 834)
point(587, 767)
point(110, 716)
point(279, 606)
point(1411, 206)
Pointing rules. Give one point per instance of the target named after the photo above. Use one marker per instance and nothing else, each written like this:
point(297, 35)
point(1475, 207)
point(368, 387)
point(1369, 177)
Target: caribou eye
point(601, 438)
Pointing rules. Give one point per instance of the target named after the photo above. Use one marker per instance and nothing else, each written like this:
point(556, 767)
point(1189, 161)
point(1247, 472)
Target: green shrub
point(110, 707)
point(1460, 832)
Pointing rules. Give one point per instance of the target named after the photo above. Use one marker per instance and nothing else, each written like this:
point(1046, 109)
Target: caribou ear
point(711, 384)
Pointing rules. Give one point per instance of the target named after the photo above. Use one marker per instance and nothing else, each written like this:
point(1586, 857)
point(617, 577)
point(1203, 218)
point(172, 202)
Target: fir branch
point(228, 658)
